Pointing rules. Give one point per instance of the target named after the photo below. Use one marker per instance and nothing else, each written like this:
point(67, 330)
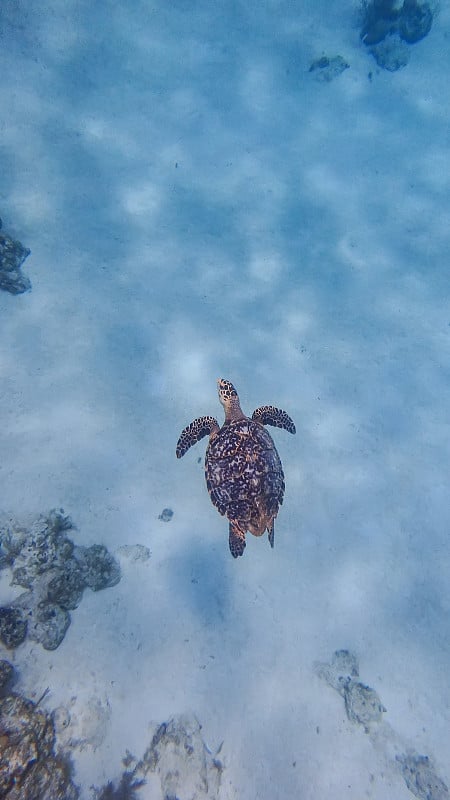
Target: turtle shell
point(244, 474)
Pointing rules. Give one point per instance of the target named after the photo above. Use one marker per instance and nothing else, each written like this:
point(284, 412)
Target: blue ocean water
point(258, 191)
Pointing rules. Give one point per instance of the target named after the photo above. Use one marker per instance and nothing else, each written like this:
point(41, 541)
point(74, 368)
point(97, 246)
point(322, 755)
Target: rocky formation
point(55, 572)
point(29, 766)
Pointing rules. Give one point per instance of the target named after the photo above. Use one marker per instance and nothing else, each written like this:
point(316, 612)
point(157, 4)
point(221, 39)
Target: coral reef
point(29, 767)
point(55, 573)
point(12, 256)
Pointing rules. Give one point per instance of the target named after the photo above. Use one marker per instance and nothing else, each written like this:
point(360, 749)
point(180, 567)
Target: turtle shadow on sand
point(199, 577)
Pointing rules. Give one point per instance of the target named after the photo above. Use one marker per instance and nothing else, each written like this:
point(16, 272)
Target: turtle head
point(229, 398)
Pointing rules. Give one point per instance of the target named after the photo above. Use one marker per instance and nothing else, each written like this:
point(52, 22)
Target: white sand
point(198, 205)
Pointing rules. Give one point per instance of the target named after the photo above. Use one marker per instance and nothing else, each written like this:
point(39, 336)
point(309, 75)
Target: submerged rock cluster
point(178, 758)
point(364, 707)
point(29, 766)
point(55, 573)
point(389, 27)
point(12, 256)
point(362, 703)
point(185, 766)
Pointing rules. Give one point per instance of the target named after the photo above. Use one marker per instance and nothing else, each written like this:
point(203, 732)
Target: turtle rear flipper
point(203, 426)
point(236, 540)
point(269, 415)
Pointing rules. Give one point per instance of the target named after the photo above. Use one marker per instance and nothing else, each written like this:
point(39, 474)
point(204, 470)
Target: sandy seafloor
point(197, 205)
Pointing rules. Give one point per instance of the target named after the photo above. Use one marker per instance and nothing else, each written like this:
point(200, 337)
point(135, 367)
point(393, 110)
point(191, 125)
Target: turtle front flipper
point(203, 426)
point(236, 540)
point(269, 415)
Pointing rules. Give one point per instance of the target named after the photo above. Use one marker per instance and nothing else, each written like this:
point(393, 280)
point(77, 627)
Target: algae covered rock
point(13, 626)
point(47, 624)
point(29, 767)
point(43, 547)
point(67, 586)
point(98, 567)
point(7, 675)
point(55, 572)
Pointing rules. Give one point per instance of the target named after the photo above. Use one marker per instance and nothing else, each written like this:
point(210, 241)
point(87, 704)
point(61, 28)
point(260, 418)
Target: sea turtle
point(243, 470)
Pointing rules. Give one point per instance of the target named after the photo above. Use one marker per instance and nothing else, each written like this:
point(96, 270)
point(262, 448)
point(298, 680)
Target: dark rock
point(47, 624)
point(380, 18)
point(45, 547)
point(6, 559)
point(388, 27)
point(13, 626)
point(98, 567)
point(7, 675)
point(415, 21)
point(66, 588)
point(12, 256)
point(166, 515)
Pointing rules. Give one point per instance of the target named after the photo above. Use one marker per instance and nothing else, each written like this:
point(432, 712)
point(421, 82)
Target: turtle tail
point(271, 532)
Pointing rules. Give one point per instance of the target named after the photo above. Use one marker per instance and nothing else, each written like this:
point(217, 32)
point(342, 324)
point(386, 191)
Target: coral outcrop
point(55, 572)
point(29, 767)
